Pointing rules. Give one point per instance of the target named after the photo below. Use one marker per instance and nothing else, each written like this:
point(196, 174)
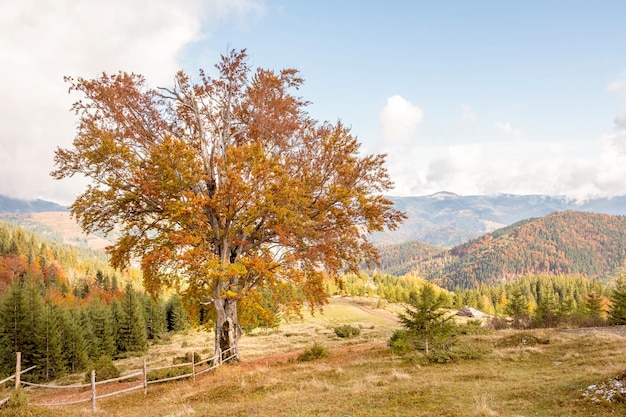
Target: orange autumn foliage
point(224, 185)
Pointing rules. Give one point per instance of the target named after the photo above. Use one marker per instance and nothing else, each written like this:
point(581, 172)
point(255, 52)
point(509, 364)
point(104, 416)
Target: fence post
point(93, 390)
point(18, 368)
point(193, 366)
point(145, 377)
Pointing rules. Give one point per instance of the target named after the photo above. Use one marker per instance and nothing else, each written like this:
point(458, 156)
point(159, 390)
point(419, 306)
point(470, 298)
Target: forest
point(64, 308)
point(533, 301)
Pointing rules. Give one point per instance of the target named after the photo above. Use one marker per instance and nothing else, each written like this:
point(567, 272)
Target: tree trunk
point(227, 329)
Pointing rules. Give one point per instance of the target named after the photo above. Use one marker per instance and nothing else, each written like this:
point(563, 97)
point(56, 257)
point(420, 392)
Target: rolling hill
point(446, 219)
point(567, 242)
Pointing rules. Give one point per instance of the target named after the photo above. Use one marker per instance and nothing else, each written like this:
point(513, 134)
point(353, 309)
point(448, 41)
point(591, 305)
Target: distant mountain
point(49, 220)
point(589, 244)
point(14, 205)
point(447, 219)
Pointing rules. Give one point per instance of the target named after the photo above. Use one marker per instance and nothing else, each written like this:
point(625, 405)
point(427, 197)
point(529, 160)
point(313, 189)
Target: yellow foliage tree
point(224, 186)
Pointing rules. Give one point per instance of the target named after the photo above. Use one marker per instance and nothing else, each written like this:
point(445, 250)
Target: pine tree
point(594, 309)
point(49, 359)
point(176, 316)
point(547, 305)
point(424, 318)
point(154, 312)
point(132, 335)
point(34, 304)
point(617, 313)
point(517, 308)
point(91, 342)
point(14, 332)
point(102, 329)
point(75, 351)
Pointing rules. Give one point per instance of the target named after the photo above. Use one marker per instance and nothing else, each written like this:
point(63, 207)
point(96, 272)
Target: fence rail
point(212, 363)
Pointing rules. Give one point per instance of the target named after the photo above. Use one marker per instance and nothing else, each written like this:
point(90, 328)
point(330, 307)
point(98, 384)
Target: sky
point(470, 97)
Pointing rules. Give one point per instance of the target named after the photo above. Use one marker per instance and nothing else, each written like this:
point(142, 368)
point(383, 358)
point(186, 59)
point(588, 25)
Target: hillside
point(58, 226)
point(568, 242)
point(50, 221)
point(58, 264)
point(402, 258)
point(446, 219)
point(14, 205)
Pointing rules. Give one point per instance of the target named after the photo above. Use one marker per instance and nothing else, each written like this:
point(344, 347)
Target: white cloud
point(399, 120)
point(620, 121)
point(579, 170)
point(619, 84)
point(508, 129)
point(41, 41)
point(468, 115)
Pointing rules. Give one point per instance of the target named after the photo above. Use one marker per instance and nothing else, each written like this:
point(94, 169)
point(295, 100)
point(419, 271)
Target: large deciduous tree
point(224, 185)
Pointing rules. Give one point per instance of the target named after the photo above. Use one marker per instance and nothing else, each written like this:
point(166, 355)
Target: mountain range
point(446, 219)
point(452, 240)
point(561, 243)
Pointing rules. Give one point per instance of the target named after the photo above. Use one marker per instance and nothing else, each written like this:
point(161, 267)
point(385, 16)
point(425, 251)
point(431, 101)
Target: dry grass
point(362, 378)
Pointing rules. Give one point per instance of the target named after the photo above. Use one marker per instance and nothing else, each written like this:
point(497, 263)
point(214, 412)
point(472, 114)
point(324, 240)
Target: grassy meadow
point(361, 377)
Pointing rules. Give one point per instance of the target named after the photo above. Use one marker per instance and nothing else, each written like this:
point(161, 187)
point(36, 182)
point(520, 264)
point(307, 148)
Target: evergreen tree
point(100, 278)
point(34, 304)
point(132, 335)
point(517, 308)
point(547, 305)
point(101, 324)
point(617, 313)
point(49, 358)
point(594, 309)
point(175, 313)
point(154, 312)
point(75, 351)
point(424, 318)
point(88, 334)
point(14, 333)
point(116, 314)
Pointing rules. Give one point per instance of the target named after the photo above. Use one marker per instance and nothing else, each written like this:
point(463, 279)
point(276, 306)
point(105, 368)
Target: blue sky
point(474, 97)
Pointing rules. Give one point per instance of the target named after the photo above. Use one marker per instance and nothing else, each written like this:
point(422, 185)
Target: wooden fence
point(141, 376)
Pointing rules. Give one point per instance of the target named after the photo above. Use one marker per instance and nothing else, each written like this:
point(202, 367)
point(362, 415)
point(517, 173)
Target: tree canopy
point(225, 185)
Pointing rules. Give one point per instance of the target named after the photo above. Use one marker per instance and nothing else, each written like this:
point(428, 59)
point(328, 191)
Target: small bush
point(472, 349)
point(18, 399)
point(400, 343)
point(316, 351)
point(521, 339)
point(473, 327)
point(105, 369)
point(187, 358)
point(346, 331)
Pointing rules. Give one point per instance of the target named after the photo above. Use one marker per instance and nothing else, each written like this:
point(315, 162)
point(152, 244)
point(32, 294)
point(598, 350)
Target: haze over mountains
point(452, 240)
point(447, 219)
point(442, 219)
